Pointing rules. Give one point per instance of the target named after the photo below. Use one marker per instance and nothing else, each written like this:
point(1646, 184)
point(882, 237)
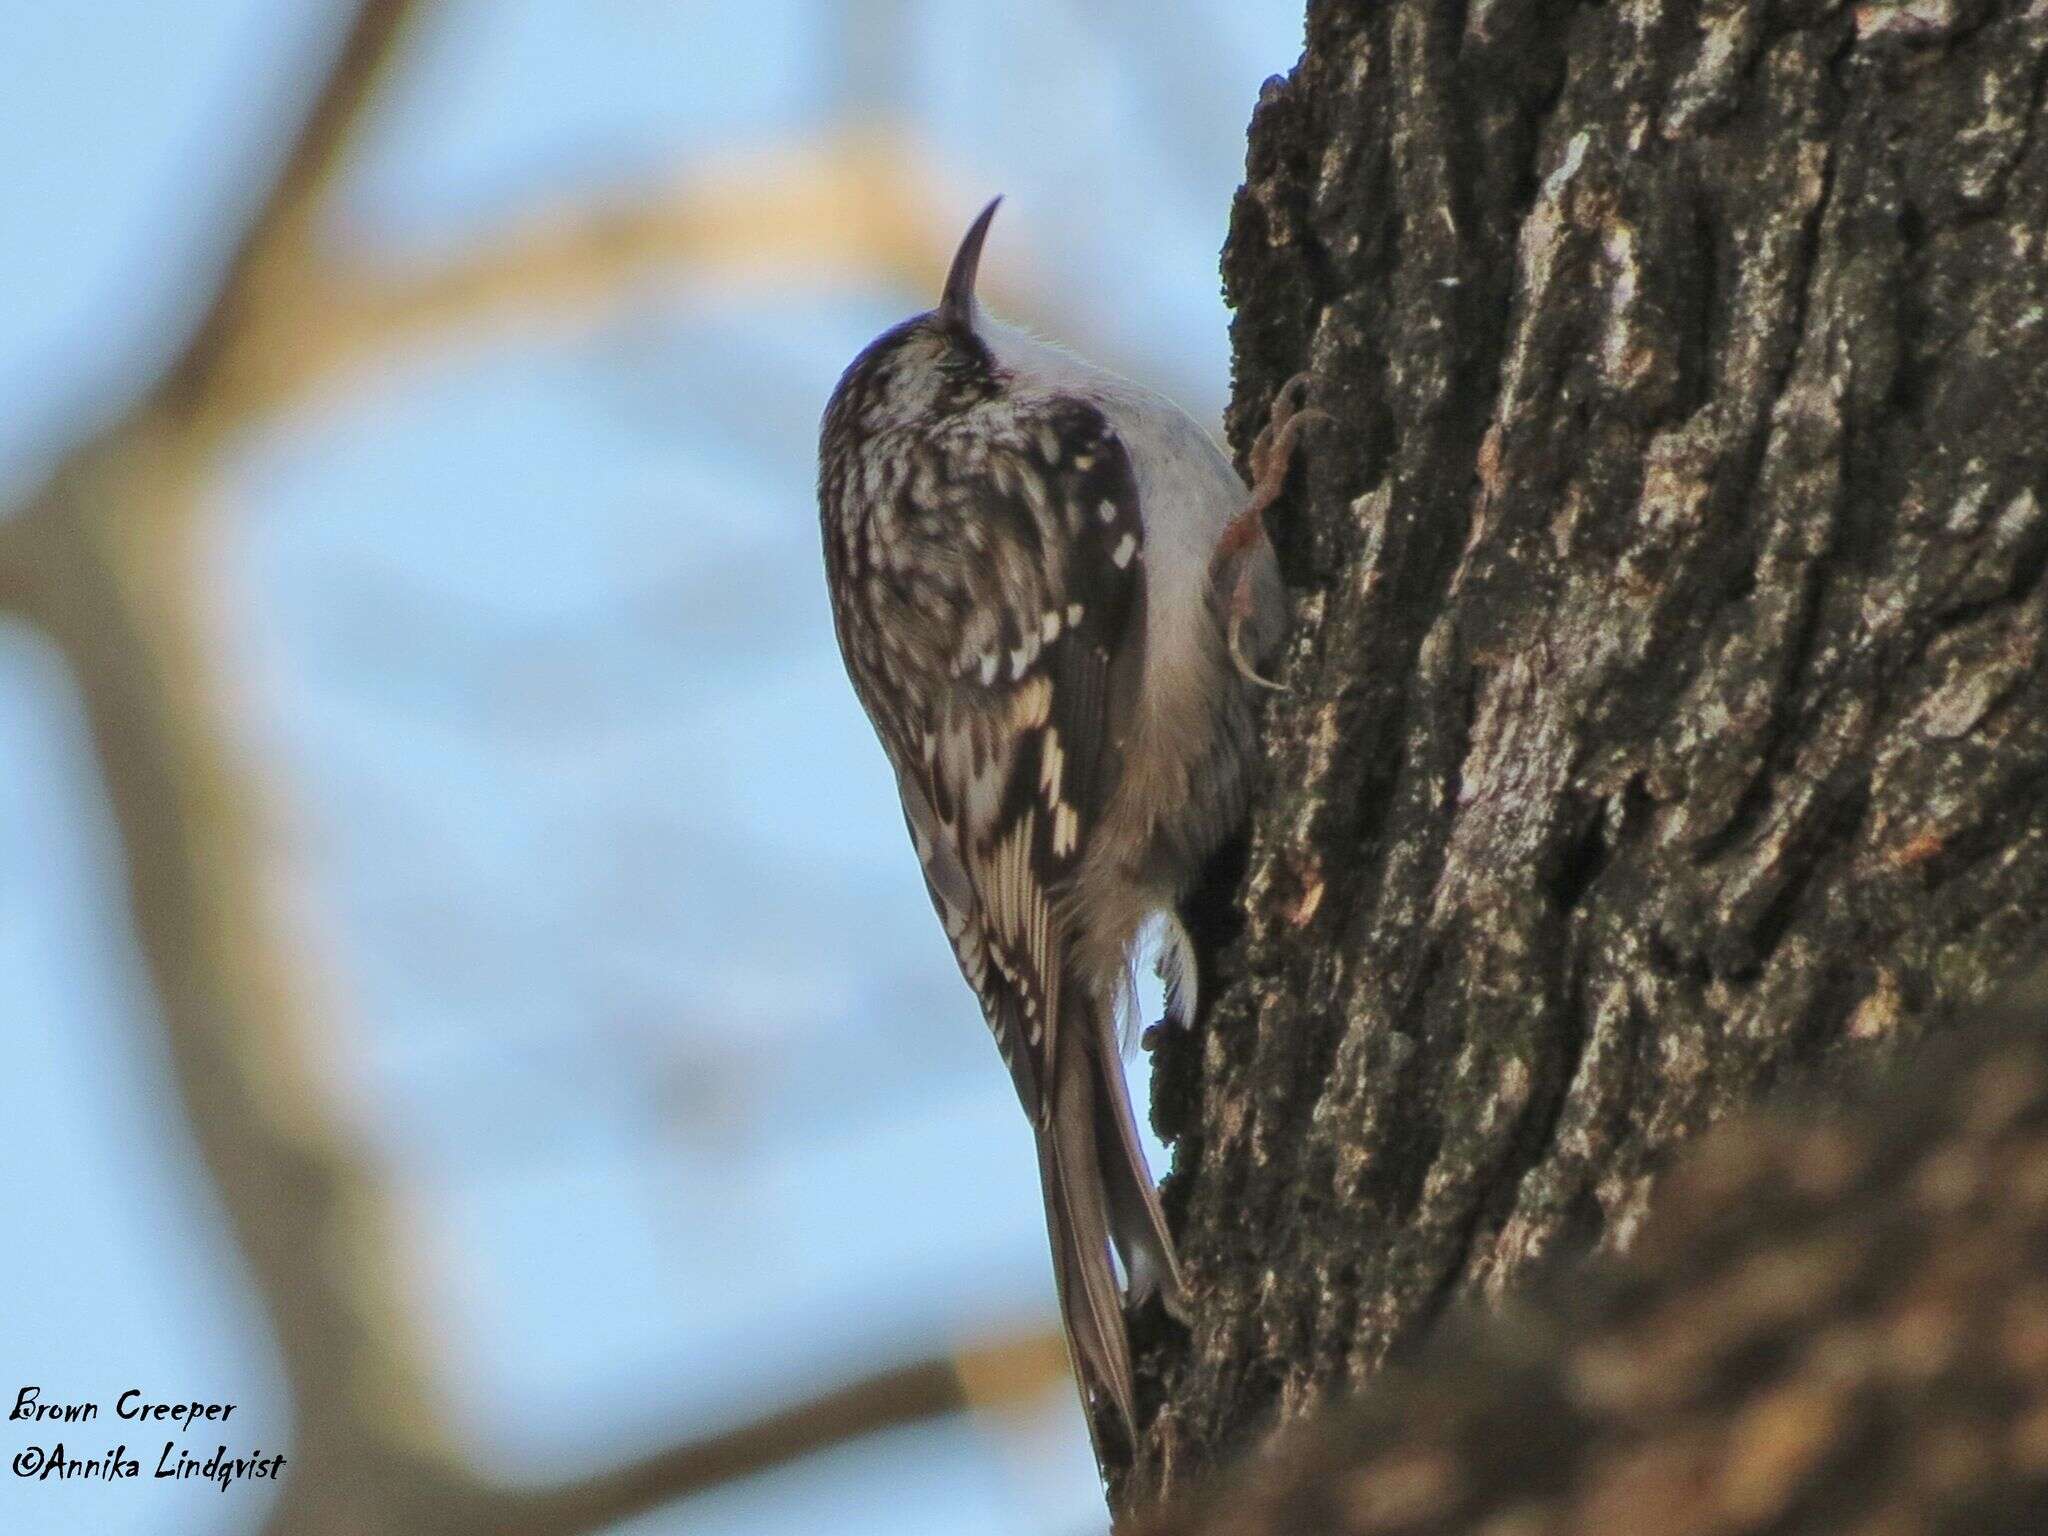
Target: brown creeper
point(1049, 587)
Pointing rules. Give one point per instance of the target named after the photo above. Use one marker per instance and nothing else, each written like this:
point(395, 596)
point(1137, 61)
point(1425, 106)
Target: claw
point(1238, 660)
point(1271, 456)
point(1274, 446)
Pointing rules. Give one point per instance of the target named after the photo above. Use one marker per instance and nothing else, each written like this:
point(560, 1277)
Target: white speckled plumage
point(1023, 555)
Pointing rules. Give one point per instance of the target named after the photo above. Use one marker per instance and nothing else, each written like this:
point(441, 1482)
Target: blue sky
point(633, 988)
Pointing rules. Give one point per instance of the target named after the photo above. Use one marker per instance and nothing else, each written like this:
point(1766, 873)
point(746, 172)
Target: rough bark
point(1668, 705)
point(1834, 1325)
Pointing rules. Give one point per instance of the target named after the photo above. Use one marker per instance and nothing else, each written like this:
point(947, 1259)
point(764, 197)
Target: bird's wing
point(1007, 765)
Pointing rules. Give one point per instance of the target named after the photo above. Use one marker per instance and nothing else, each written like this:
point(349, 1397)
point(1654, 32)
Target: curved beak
point(956, 304)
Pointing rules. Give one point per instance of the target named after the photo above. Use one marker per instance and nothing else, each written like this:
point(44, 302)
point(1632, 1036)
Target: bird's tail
point(1098, 1193)
point(1136, 1223)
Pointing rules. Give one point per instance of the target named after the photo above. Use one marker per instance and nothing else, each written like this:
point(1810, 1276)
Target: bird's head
point(930, 365)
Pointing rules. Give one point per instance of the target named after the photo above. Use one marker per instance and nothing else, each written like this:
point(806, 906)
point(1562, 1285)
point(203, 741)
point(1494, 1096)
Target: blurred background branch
point(272, 259)
point(108, 560)
point(994, 1376)
point(853, 204)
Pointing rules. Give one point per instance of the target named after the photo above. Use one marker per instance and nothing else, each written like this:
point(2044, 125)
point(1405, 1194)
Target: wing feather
point(1008, 752)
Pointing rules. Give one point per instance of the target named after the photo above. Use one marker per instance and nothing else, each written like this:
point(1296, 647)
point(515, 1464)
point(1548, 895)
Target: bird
point(1052, 593)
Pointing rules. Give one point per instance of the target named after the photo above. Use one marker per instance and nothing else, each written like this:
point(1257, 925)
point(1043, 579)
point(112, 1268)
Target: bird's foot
point(1272, 456)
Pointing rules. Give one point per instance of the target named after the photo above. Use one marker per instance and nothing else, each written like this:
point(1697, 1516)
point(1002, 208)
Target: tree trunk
point(1834, 1324)
point(1667, 710)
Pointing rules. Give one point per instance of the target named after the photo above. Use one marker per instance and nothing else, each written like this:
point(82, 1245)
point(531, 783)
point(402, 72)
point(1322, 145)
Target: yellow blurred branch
point(852, 206)
point(17, 570)
point(1007, 1373)
point(274, 253)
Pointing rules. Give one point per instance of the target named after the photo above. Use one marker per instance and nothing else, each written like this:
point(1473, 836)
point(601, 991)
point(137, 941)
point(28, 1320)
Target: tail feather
point(1098, 1193)
point(1137, 1224)
point(1077, 1221)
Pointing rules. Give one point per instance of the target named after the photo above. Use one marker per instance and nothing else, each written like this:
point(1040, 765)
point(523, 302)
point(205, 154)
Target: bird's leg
point(1272, 455)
